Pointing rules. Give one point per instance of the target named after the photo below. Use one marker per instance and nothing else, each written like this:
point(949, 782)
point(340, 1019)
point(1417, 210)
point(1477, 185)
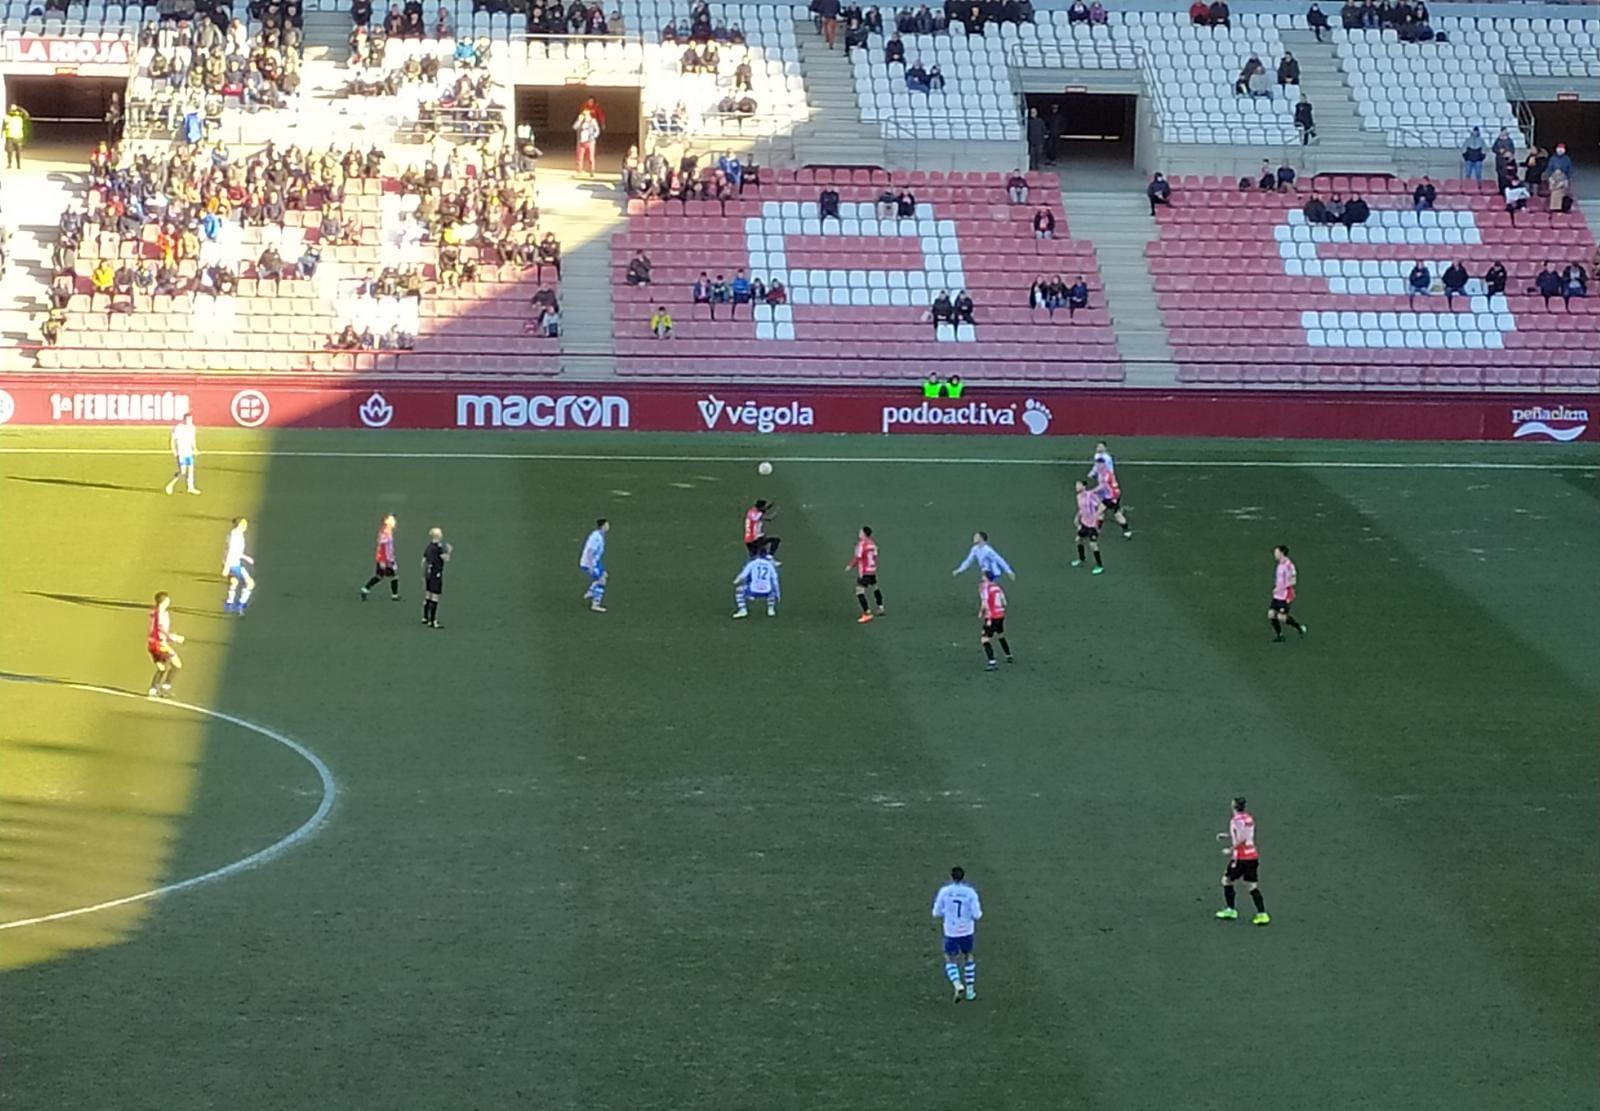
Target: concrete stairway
point(584, 213)
point(30, 206)
point(1341, 145)
point(1119, 226)
point(835, 134)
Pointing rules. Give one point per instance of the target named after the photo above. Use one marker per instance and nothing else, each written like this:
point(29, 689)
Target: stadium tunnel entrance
point(1573, 122)
point(68, 112)
point(1088, 127)
point(550, 111)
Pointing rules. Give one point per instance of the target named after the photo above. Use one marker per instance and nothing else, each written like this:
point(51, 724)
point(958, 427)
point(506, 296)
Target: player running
point(987, 559)
point(161, 643)
point(992, 611)
point(1090, 513)
point(756, 539)
point(1283, 583)
point(593, 563)
point(759, 579)
point(434, 557)
point(182, 441)
point(865, 564)
point(1244, 862)
point(957, 903)
point(384, 562)
point(1104, 475)
point(235, 566)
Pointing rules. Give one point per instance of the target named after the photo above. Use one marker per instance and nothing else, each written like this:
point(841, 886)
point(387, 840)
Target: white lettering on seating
point(1484, 319)
point(766, 239)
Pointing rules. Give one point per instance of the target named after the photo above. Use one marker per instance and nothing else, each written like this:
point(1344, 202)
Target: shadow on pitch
point(45, 480)
point(109, 603)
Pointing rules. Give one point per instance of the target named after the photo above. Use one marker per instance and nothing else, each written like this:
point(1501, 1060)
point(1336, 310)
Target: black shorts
point(866, 580)
point(1246, 870)
point(383, 570)
point(1278, 605)
point(994, 626)
point(754, 546)
point(433, 584)
point(1112, 507)
point(1087, 533)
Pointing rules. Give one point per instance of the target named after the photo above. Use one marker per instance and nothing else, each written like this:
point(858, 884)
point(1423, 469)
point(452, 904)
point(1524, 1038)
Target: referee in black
point(434, 557)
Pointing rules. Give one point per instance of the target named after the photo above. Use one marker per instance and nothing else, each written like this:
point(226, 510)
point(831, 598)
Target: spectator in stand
point(1304, 121)
point(1418, 284)
point(1560, 190)
point(1315, 211)
point(1473, 155)
point(1516, 196)
point(963, 308)
point(1494, 280)
point(1534, 167)
point(661, 323)
point(1424, 195)
point(917, 77)
point(549, 255)
point(587, 128)
point(50, 330)
point(740, 289)
point(935, 80)
point(639, 269)
point(905, 205)
point(1078, 13)
point(1550, 283)
point(942, 311)
point(144, 278)
point(1267, 180)
point(1560, 160)
point(101, 279)
point(168, 281)
point(1017, 187)
point(1077, 297)
point(347, 340)
point(701, 293)
point(721, 294)
point(1288, 72)
point(777, 294)
point(732, 169)
point(1044, 295)
point(1356, 211)
point(1576, 279)
point(888, 203)
point(1098, 17)
point(122, 286)
point(1504, 147)
point(269, 264)
point(1317, 21)
point(1243, 86)
point(1218, 14)
point(1036, 138)
point(1158, 192)
point(308, 261)
point(894, 51)
point(1044, 223)
point(1286, 178)
point(828, 204)
point(1200, 13)
point(1455, 283)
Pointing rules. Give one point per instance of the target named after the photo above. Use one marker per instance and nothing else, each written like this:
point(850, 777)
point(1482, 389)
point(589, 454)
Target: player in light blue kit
point(987, 559)
point(234, 562)
point(759, 579)
point(183, 453)
point(957, 903)
point(593, 562)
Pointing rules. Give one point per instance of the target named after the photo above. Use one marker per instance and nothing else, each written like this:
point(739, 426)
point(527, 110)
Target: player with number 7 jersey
point(957, 904)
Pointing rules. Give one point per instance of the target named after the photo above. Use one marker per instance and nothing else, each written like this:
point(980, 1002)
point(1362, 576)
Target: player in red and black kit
point(865, 564)
point(161, 642)
point(383, 560)
point(992, 611)
point(756, 539)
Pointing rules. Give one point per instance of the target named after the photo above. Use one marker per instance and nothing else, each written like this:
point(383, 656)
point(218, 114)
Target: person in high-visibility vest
point(16, 125)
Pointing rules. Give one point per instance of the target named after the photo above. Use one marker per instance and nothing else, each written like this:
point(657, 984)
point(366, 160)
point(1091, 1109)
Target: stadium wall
point(256, 402)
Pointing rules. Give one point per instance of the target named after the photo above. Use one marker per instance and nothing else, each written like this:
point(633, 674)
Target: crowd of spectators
point(953, 311)
point(1351, 211)
point(655, 177)
point(1409, 21)
point(1055, 293)
point(196, 68)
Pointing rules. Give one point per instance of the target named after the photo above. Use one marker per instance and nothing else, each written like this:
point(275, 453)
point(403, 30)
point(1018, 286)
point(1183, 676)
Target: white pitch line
point(306, 829)
point(553, 457)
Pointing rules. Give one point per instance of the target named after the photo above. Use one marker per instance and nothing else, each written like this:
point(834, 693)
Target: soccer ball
point(764, 469)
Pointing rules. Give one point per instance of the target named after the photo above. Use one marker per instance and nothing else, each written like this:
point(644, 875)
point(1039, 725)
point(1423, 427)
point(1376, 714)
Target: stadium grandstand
point(1125, 196)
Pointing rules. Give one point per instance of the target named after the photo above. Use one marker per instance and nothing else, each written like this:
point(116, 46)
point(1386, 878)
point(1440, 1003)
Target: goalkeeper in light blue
point(957, 903)
point(593, 563)
point(758, 580)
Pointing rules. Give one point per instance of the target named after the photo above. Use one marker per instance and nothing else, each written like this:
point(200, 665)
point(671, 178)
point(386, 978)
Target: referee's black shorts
point(433, 584)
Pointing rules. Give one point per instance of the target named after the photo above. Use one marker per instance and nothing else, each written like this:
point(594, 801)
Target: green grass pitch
point(662, 859)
